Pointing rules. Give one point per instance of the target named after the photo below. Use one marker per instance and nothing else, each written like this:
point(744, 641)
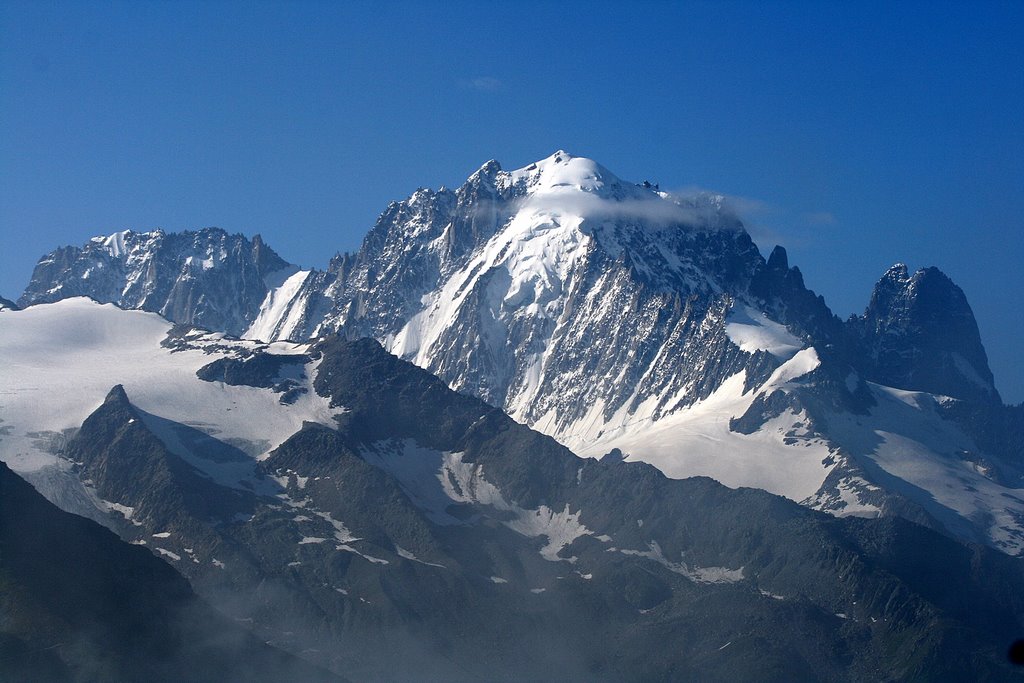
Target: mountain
point(919, 331)
point(351, 508)
point(620, 319)
point(6, 305)
point(78, 604)
point(207, 278)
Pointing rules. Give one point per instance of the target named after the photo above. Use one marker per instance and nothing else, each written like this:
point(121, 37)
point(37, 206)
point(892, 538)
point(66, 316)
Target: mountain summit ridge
point(206, 277)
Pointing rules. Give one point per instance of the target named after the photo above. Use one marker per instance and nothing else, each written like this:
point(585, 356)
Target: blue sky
point(855, 134)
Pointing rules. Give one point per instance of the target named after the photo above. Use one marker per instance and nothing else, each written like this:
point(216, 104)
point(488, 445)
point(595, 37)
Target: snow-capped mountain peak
point(562, 172)
point(582, 191)
point(616, 317)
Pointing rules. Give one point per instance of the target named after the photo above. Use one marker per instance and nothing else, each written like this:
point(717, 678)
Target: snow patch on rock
point(752, 331)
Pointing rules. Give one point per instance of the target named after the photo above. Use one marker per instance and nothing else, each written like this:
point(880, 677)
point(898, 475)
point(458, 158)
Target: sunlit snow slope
point(60, 360)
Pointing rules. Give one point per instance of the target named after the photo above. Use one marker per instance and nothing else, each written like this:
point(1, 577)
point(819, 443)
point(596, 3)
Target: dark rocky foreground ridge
point(430, 524)
point(78, 604)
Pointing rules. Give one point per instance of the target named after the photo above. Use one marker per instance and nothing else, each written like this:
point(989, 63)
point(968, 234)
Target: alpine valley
point(551, 425)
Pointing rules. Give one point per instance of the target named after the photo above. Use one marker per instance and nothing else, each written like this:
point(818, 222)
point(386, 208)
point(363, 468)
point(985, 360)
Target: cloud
point(745, 208)
point(766, 223)
point(483, 84)
point(769, 223)
point(651, 210)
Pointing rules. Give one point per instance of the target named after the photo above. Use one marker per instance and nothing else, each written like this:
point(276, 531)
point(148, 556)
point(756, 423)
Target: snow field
point(62, 359)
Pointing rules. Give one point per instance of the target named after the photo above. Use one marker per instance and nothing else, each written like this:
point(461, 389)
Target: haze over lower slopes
point(854, 136)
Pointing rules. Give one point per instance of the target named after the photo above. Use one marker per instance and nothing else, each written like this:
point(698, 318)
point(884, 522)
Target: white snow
point(526, 265)
point(922, 454)
point(853, 506)
point(715, 574)
point(695, 574)
point(168, 553)
point(498, 579)
point(368, 558)
point(696, 440)
point(752, 330)
point(125, 511)
point(341, 532)
point(279, 315)
point(114, 244)
point(403, 553)
point(562, 172)
point(342, 535)
point(61, 360)
point(162, 534)
point(464, 482)
point(560, 528)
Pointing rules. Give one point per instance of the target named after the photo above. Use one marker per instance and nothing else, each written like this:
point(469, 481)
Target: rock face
point(206, 278)
point(615, 317)
point(919, 333)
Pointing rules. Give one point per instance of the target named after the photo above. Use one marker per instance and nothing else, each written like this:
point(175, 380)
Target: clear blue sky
point(855, 134)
